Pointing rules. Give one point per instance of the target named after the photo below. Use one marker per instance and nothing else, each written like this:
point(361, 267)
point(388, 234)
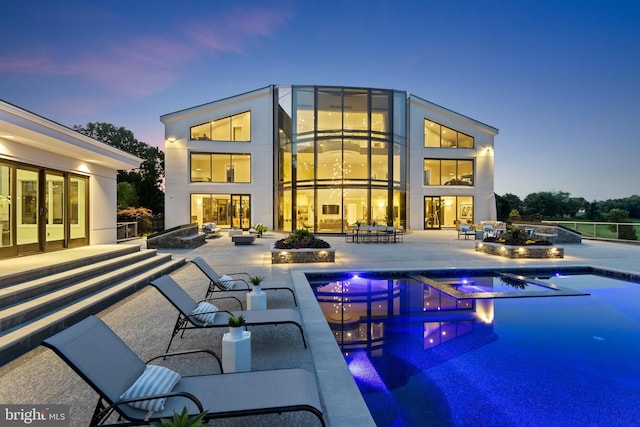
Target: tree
point(547, 204)
point(507, 203)
point(127, 196)
point(625, 231)
point(147, 180)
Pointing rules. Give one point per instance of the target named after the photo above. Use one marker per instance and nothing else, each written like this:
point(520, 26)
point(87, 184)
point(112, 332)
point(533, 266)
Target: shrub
point(301, 239)
point(142, 216)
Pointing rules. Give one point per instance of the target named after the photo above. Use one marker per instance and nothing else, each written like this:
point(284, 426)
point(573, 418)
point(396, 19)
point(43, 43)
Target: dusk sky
point(559, 79)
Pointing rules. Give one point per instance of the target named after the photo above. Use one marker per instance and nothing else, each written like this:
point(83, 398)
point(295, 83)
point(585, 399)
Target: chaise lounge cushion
point(154, 380)
point(204, 312)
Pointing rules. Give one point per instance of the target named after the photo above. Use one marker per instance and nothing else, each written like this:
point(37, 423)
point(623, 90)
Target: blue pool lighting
point(517, 350)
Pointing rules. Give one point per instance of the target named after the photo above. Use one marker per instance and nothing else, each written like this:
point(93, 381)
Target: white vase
point(235, 332)
point(257, 289)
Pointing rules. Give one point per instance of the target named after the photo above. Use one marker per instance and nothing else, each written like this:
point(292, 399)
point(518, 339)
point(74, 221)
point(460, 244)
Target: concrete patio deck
point(145, 319)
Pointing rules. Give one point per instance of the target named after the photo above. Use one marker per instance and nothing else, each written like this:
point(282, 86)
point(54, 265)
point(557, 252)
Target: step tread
point(52, 322)
point(47, 269)
point(58, 294)
point(69, 275)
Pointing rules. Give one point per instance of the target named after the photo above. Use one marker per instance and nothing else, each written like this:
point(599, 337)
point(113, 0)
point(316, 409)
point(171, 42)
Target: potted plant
point(181, 420)
point(256, 281)
point(236, 326)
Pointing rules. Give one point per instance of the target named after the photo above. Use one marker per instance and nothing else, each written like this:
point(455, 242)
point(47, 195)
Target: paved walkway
point(145, 319)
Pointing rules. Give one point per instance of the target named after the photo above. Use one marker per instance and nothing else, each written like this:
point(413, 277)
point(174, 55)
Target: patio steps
point(38, 302)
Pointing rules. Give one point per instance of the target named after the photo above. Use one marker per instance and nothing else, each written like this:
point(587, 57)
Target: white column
point(257, 299)
point(236, 352)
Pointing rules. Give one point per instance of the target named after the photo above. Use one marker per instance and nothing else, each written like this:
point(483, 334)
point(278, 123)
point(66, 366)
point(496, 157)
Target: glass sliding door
point(78, 211)
point(27, 210)
point(6, 240)
point(41, 210)
point(432, 213)
point(240, 211)
point(54, 210)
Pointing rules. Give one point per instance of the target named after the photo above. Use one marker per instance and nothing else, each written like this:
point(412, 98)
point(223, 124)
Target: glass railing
point(603, 230)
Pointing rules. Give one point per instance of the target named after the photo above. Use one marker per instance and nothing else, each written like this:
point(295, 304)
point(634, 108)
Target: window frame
point(228, 178)
point(208, 134)
point(457, 175)
point(443, 130)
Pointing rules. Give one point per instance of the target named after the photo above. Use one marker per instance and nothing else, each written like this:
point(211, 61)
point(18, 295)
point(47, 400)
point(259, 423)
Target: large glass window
point(343, 156)
point(438, 136)
point(225, 210)
point(220, 167)
point(448, 172)
point(231, 128)
point(445, 211)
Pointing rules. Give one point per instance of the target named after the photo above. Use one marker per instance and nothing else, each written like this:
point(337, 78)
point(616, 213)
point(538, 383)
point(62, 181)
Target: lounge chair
point(233, 281)
point(110, 367)
point(187, 319)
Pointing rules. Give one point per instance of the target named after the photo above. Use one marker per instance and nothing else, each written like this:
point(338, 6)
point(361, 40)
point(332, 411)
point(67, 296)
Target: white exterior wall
point(482, 153)
point(37, 141)
point(178, 146)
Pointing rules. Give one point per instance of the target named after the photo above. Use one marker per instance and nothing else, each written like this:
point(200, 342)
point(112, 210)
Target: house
point(324, 158)
point(57, 186)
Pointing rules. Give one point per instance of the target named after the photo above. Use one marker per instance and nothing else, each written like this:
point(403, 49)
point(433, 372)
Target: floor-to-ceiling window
point(225, 210)
point(41, 209)
point(341, 156)
point(447, 211)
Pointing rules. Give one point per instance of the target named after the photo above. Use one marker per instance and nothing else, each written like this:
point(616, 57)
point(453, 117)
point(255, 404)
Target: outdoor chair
point(466, 231)
point(488, 230)
point(113, 370)
point(232, 282)
point(188, 319)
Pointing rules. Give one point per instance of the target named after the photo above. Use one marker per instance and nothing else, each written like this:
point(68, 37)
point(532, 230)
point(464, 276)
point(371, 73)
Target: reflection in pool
point(423, 357)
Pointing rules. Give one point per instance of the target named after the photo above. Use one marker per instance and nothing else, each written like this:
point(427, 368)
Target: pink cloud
point(145, 65)
point(231, 31)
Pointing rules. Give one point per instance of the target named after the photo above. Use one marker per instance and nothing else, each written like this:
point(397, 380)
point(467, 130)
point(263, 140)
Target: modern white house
point(58, 187)
point(324, 158)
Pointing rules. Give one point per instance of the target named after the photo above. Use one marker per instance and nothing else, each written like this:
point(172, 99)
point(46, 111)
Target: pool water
point(423, 358)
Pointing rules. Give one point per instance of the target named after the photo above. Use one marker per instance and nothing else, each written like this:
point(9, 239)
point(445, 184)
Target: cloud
point(143, 65)
point(233, 30)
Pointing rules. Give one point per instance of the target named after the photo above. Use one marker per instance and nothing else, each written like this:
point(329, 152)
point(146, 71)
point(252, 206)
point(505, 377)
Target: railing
point(127, 230)
point(627, 231)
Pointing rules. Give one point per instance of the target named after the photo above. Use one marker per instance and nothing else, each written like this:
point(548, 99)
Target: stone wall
point(290, 256)
point(553, 233)
point(179, 238)
point(529, 251)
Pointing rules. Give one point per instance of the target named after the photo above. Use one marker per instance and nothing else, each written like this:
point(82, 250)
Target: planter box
point(528, 251)
point(290, 256)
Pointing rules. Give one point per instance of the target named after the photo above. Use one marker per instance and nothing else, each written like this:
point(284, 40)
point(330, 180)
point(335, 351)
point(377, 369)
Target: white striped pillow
point(228, 282)
point(203, 312)
point(155, 379)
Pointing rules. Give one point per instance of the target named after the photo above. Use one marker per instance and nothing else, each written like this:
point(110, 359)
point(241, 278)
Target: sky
point(560, 79)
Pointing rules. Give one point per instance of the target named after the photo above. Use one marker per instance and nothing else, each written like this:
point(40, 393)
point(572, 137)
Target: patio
point(145, 319)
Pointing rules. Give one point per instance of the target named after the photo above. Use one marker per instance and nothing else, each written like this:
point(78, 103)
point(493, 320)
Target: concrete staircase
point(42, 300)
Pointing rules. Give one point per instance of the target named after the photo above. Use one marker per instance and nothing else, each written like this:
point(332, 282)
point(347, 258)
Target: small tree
point(625, 231)
point(514, 215)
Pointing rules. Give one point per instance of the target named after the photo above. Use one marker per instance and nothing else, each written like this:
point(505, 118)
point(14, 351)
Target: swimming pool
point(422, 357)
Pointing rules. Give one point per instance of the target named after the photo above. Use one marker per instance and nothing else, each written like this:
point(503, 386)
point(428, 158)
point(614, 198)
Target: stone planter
point(527, 251)
point(290, 256)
